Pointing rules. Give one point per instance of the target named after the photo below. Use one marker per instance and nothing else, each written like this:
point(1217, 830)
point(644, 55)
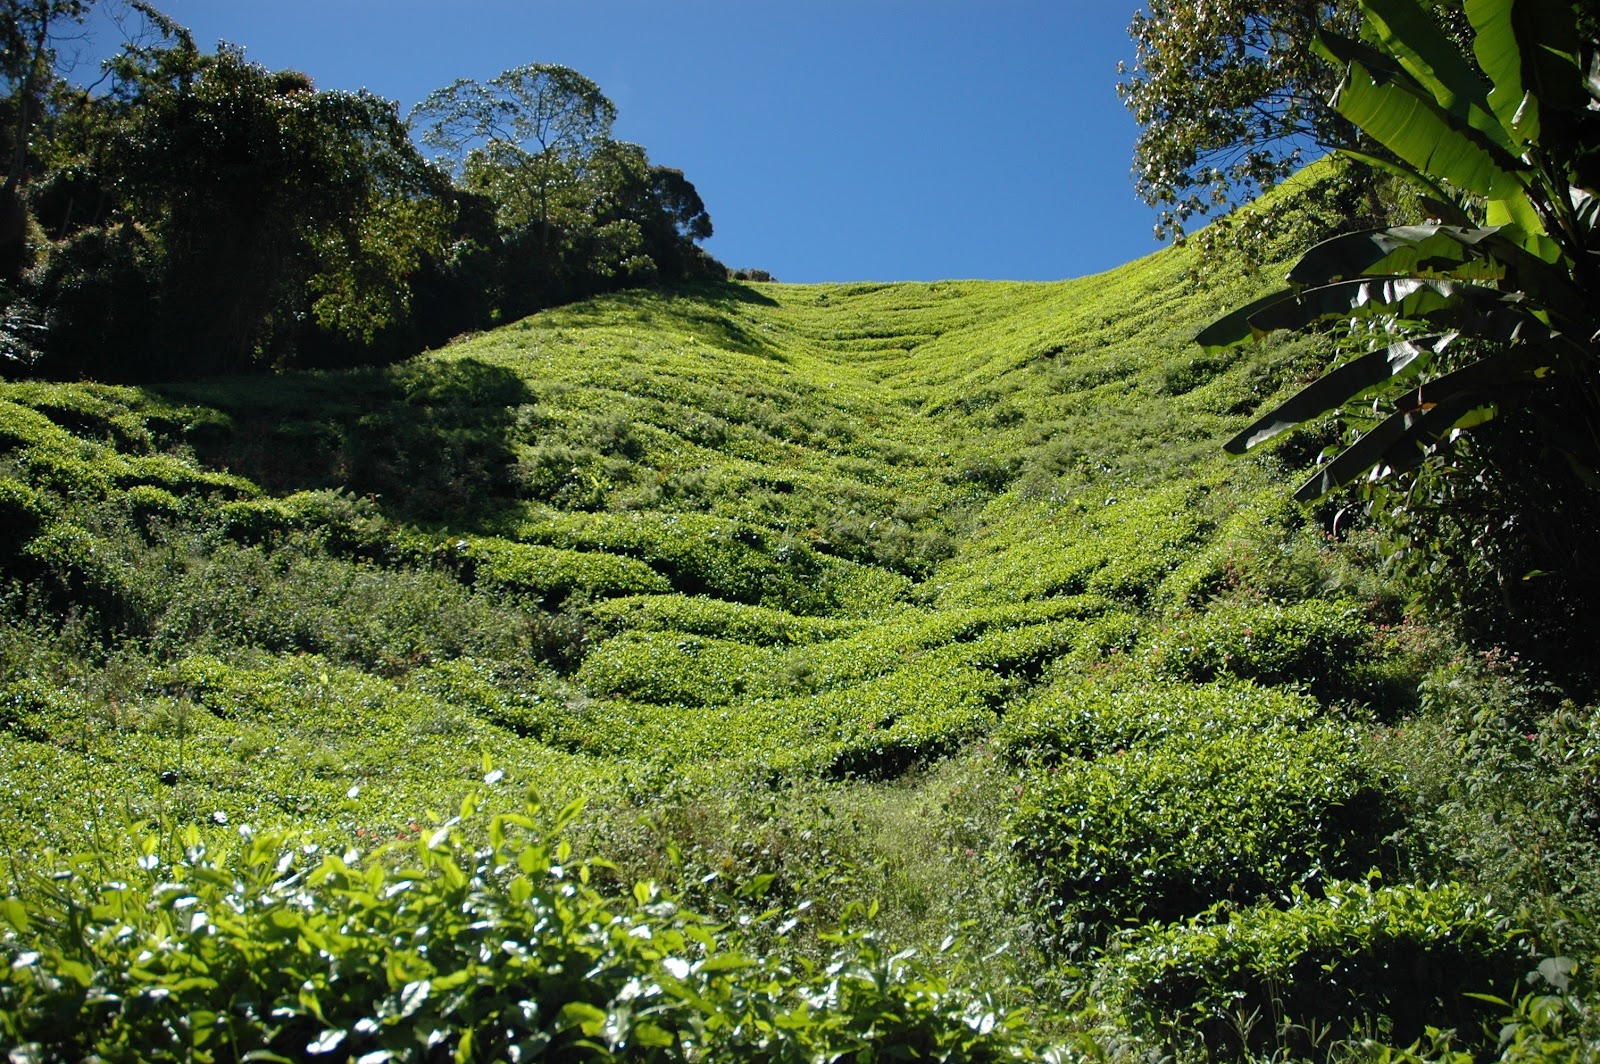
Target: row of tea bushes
point(1287, 977)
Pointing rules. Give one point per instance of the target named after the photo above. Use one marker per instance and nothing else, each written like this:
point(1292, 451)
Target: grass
point(936, 594)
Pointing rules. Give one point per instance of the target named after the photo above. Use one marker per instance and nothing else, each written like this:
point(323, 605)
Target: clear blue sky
point(832, 140)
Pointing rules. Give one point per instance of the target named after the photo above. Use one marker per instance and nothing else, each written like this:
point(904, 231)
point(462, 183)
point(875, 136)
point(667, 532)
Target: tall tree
point(575, 212)
point(256, 203)
point(30, 31)
point(1229, 99)
point(539, 124)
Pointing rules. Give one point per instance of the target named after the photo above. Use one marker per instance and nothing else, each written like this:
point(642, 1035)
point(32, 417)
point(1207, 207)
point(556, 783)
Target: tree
point(537, 124)
point(253, 211)
point(1229, 100)
point(1488, 316)
point(29, 33)
point(576, 212)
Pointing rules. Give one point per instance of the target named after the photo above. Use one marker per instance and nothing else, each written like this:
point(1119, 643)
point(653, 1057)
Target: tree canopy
point(200, 213)
point(1229, 100)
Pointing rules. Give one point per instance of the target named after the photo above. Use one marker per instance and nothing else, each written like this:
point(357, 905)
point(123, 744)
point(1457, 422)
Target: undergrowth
point(928, 601)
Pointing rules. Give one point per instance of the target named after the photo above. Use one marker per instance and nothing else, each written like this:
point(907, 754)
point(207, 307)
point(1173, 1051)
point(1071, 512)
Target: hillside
point(938, 596)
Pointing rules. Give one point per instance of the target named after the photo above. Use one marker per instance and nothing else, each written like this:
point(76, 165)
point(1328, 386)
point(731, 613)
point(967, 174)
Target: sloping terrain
point(938, 594)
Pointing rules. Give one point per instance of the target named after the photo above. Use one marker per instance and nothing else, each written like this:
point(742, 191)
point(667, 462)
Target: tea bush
point(699, 615)
point(1321, 646)
point(488, 944)
point(510, 696)
point(552, 574)
point(1080, 719)
point(699, 554)
point(677, 668)
point(1352, 960)
point(343, 522)
point(1163, 831)
point(1120, 549)
point(296, 598)
point(931, 592)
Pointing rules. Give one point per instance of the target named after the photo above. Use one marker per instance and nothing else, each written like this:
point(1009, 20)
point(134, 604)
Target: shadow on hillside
point(707, 309)
point(430, 439)
point(728, 292)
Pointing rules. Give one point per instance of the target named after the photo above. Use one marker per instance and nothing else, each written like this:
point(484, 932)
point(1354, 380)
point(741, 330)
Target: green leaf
point(1557, 971)
point(413, 996)
point(15, 914)
point(1401, 28)
point(1234, 328)
point(75, 970)
point(1436, 193)
point(581, 1014)
point(1529, 51)
point(1337, 387)
point(1422, 417)
point(648, 1034)
point(1405, 119)
point(1438, 302)
point(725, 962)
point(1376, 251)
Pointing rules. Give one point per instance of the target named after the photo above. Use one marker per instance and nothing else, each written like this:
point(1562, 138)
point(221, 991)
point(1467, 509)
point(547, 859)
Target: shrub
point(552, 573)
point(1164, 831)
point(885, 726)
point(1121, 549)
point(33, 708)
point(1319, 646)
point(1356, 960)
point(756, 625)
point(699, 554)
point(298, 598)
point(272, 949)
point(676, 668)
point(504, 696)
point(87, 570)
point(22, 512)
point(1083, 719)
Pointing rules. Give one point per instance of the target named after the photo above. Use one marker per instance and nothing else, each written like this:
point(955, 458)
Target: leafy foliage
point(206, 215)
point(1268, 978)
point(1165, 828)
point(815, 593)
point(1485, 314)
point(1227, 99)
point(277, 950)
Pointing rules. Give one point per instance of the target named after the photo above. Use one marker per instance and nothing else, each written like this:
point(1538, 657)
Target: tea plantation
point(761, 671)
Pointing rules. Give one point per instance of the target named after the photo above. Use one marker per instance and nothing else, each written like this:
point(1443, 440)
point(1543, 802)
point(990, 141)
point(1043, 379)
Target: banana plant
point(1497, 292)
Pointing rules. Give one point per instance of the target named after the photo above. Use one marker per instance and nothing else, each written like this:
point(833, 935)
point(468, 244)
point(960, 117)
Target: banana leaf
point(1424, 416)
point(1339, 386)
point(1386, 251)
point(1396, 445)
point(1407, 32)
point(1530, 53)
point(1404, 118)
point(1234, 328)
point(1437, 197)
point(1448, 304)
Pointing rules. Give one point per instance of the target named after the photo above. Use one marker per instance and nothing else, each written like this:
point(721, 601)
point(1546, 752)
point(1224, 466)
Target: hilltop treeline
point(193, 212)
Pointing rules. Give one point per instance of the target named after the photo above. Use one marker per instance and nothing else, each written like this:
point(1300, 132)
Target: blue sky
point(831, 140)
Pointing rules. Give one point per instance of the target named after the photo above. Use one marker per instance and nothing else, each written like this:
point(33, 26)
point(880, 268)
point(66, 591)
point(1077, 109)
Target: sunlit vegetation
point(837, 621)
point(731, 670)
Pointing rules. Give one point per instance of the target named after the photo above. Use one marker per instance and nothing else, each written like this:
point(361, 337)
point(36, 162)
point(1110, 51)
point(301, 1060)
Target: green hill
point(937, 596)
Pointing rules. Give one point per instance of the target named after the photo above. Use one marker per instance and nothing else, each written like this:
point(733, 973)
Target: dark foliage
point(204, 214)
